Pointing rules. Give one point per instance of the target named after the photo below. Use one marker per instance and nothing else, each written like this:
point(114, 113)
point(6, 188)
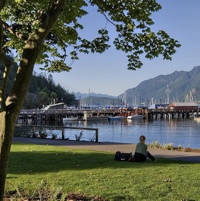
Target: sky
point(107, 73)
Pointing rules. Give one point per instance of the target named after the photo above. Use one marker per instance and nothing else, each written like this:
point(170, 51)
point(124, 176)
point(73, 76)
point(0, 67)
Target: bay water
point(179, 132)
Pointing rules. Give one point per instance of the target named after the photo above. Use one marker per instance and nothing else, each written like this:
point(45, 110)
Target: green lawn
point(34, 168)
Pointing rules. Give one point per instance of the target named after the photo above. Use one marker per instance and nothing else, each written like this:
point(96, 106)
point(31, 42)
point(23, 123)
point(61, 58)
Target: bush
point(42, 135)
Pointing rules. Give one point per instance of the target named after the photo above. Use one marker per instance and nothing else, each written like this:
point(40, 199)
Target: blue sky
point(107, 73)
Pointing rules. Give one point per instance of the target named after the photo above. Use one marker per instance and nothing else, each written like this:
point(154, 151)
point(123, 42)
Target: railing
point(62, 129)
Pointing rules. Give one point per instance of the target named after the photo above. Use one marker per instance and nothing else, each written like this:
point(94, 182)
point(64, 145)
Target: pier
point(171, 114)
point(55, 116)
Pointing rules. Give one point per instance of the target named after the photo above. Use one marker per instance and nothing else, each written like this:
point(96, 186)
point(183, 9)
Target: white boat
point(136, 116)
point(88, 116)
point(116, 117)
point(197, 119)
point(67, 119)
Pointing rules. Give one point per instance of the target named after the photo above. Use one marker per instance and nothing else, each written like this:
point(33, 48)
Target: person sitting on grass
point(141, 153)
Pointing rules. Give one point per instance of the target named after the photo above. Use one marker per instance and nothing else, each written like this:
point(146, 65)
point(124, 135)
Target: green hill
point(42, 90)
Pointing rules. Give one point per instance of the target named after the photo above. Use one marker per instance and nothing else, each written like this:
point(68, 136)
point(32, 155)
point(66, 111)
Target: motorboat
point(95, 118)
point(67, 119)
point(136, 116)
point(90, 117)
point(197, 119)
point(116, 117)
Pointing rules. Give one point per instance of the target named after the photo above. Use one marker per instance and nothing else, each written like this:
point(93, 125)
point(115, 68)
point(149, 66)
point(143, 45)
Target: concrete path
point(113, 147)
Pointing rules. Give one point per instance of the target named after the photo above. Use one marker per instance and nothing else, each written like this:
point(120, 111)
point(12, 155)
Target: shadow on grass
point(41, 161)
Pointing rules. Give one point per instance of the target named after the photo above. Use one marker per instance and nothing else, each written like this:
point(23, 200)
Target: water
point(180, 132)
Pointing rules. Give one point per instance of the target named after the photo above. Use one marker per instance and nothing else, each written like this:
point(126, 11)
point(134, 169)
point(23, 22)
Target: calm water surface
point(184, 132)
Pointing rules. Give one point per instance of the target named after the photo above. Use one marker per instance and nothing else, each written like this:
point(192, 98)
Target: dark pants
point(142, 158)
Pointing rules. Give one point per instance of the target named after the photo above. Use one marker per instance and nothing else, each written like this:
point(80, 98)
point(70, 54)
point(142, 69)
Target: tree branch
point(13, 32)
point(7, 66)
point(2, 4)
point(1, 37)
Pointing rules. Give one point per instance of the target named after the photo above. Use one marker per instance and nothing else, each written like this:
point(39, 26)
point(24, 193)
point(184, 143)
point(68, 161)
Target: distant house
point(184, 106)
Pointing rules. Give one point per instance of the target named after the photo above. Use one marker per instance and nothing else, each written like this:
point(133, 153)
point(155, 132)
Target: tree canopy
point(131, 19)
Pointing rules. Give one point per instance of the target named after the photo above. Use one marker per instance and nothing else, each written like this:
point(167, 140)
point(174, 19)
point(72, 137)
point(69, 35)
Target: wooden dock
point(55, 116)
point(171, 114)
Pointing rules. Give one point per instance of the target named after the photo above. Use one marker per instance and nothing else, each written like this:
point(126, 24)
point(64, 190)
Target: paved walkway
point(113, 147)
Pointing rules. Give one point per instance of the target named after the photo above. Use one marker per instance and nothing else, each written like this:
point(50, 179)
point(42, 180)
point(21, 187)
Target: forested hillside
point(42, 90)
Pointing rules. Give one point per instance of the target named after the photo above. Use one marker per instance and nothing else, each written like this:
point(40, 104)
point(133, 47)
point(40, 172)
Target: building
point(183, 106)
point(158, 106)
point(54, 106)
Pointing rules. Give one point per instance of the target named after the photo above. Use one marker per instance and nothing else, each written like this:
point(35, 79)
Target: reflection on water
point(182, 132)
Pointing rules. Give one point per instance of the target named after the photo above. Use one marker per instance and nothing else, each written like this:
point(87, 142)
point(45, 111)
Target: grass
point(61, 169)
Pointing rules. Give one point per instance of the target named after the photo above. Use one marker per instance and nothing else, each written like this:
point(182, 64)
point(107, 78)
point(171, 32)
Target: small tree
point(53, 97)
point(40, 30)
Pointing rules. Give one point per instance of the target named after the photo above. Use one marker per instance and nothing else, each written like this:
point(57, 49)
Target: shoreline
point(193, 157)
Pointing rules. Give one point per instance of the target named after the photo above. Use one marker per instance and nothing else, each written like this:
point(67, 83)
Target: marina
point(58, 116)
point(178, 125)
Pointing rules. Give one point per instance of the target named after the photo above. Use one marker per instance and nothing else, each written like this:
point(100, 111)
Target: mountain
point(97, 100)
point(180, 86)
point(80, 95)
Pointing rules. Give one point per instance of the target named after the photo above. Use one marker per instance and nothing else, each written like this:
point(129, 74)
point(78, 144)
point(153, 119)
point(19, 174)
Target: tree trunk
point(7, 129)
point(14, 102)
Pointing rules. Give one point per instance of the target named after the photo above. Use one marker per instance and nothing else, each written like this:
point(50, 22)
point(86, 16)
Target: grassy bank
point(60, 169)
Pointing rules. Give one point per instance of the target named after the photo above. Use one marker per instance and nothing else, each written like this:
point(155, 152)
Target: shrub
point(78, 137)
point(155, 144)
point(169, 146)
point(42, 135)
point(54, 136)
